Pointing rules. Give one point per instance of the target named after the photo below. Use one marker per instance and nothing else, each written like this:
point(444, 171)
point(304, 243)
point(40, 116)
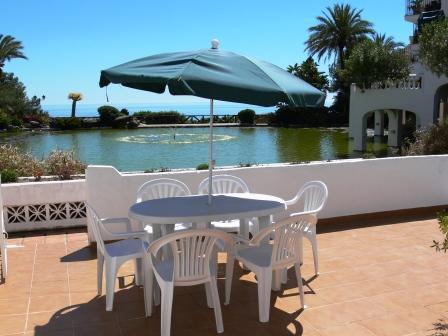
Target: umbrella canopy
point(215, 74)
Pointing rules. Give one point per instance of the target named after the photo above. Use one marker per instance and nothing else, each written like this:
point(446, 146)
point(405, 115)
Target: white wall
point(45, 200)
point(355, 186)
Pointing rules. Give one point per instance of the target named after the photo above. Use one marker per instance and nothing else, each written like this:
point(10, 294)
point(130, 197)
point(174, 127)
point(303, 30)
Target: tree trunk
point(341, 58)
point(73, 108)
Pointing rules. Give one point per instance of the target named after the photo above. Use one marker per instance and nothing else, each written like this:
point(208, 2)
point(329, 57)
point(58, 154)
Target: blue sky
point(69, 42)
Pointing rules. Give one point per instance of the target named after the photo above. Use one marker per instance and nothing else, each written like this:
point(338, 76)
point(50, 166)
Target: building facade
point(421, 99)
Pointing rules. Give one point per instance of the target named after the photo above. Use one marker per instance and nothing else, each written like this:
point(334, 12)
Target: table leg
point(244, 228)
point(264, 222)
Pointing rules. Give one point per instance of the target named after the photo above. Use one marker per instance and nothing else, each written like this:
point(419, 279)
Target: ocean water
point(90, 110)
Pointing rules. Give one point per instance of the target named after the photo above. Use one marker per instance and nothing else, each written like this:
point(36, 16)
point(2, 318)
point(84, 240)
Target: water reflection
point(142, 149)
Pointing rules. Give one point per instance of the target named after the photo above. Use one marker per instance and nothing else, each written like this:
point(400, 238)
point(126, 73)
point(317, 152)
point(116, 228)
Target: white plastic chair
point(3, 246)
point(265, 258)
point(313, 197)
point(115, 254)
point(193, 262)
point(227, 184)
point(162, 188)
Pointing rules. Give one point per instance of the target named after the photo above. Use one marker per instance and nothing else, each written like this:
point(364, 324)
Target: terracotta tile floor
point(382, 279)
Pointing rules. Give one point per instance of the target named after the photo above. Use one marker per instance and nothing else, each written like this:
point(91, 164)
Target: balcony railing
point(412, 83)
point(415, 7)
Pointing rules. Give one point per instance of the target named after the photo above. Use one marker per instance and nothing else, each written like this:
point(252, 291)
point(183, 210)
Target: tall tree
point(309, 72)
point(388, 42)
point(433, 46)
point(9, 48)
point(337, 32)
point(75, 97)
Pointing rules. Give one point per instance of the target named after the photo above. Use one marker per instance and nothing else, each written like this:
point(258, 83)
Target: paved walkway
point(381, 280)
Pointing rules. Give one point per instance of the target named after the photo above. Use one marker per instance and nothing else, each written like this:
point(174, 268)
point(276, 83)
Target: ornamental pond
point(153, 148)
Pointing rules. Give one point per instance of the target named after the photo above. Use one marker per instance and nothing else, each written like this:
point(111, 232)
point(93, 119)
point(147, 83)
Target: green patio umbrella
point(215, 74)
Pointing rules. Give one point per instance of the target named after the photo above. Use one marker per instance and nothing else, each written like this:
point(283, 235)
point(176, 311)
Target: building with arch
point(423, 95)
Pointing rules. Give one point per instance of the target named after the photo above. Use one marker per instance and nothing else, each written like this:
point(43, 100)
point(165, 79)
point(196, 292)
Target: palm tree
point(387, 41)
point(337, 32)
point(9, 48)
point(75, 97)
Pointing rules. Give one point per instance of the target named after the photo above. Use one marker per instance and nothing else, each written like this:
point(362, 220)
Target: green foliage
point(5, 120)
point(24, 164)
point(434, 46)
point(432, 140)
point(107, 115)
point(368, 155)
point(305, 116)
point(337, 32)
point(202, 166)
point(9, 176)
point(245, 164)
point(64, 164)
point(61, 163)
point(14, 101)
point(442, 218)
point(162, 117)
point(9, 48)
point(124, 111)
point(373, 62)
point(309, 72)
point(246, 116)
point(66, 123)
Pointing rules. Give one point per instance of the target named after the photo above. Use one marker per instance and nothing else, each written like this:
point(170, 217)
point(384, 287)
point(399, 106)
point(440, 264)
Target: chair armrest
point(110, 220)
point(240, 239)
point(122, 235)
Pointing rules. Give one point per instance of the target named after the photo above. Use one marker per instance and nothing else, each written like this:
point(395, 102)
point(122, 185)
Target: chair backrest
point(287, 238)
point(3, 235)
point(223, 184)
point(313, 194)
point(191, 250)
point(161, 188)
point(96, 228)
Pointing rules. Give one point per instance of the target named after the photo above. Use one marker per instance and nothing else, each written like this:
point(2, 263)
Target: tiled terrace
point(376, 280)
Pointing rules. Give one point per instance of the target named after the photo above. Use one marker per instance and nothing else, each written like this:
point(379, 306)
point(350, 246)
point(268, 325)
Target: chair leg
point(229, 276)
point(148, 288)
point(300, 285)
point(277, 279)
point(138, 271)
point(284, 276)
point(167, 306)
point(216, 305)
point(208, 295)
point(264, 277)
point(313, 240)
point(100, 268)
point(111, 275)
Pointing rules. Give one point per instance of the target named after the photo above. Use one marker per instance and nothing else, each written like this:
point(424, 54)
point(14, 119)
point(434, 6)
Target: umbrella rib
point(291, 100)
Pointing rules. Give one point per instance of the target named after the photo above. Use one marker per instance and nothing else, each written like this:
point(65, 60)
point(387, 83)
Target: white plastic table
point(194, 209)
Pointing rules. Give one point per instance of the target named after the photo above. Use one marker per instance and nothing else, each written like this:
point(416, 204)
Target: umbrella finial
point(215, 43)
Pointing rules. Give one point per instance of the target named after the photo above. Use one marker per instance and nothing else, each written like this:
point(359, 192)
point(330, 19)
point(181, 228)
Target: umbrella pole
point(210, 155)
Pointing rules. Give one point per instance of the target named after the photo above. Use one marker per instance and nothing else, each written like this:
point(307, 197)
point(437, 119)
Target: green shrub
point(432, 140)
point(442, 218)
point(246, 116)
point(5, 121)
point(162, 117)
point(124, 111)
point(9, 176)
point(62, 123)
point(202, 166)
point(368, 155)
point(108, 114)
point(64, 164)
point(15, 159)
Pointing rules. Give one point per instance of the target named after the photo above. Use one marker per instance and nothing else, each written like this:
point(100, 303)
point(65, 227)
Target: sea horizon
point(90, 110)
